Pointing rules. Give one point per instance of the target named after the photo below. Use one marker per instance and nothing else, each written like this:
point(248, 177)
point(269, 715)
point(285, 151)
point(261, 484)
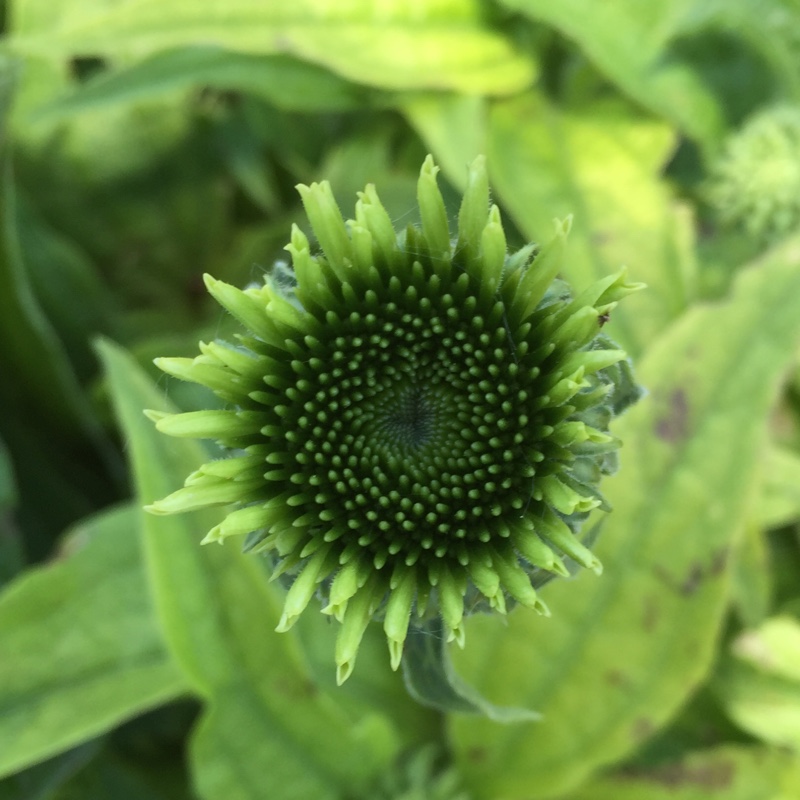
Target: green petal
point(329, 228)
point(472, 217)
point(432, 211)
point(529, 287)
point(555, 531)
point(398, 615)
point(211, 424)
point(356, 618)
point(303, 588)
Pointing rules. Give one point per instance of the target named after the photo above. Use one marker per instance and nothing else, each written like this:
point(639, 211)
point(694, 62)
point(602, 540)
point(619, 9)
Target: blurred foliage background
point(145, 142)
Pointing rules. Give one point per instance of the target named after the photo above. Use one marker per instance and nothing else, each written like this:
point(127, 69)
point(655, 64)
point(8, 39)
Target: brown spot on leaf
point(476, 754)
point(650, 614)
point(617, 678)
point(642, 728)
point(709, 777)
point(691, 583)
point(673, 427)
point(698, 573)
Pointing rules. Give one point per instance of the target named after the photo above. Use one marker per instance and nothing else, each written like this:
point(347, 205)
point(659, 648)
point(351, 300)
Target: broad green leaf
point(443, 44)
point(724, 773)
point(623, 651)
point(219, 615)
point(236, 727)
point(600, 164)
point(759, 686)
point(286, 82)
point(628, 40)
point(779, 500)
point(80, 647)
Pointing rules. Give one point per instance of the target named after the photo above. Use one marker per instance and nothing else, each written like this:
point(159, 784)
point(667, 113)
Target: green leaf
point(431, 680)
point(628, 41)
point(286, 82)
point(779, 500)
point(724, 773)
point(600, 164)
point(236, 743)
point(759, 686)
point(81, 647)
point(621, 652)
point(11, 555)
point(219, 615)
point(442, 45)
point(770, 26)
point(453, 127)
point(32, 350)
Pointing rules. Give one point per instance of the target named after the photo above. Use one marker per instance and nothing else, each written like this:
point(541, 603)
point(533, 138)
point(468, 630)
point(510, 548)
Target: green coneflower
point(755, 184)
point(418, 428)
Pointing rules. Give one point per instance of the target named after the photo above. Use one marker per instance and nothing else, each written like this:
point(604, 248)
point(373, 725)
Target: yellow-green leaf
point(601, 165)
point(724, 773)
point(444, 44)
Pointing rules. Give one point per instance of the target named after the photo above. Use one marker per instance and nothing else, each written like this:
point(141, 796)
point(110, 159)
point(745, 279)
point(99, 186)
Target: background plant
point(134, 663)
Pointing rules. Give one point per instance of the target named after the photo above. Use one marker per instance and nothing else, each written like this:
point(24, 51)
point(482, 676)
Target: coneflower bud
point(755, 184)
point(418, 427)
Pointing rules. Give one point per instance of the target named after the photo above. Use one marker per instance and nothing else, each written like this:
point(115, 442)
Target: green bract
point(418, 428)
point(755, 185)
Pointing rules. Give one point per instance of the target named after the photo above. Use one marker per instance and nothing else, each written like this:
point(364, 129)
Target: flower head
point(417, 428)
point(755, 185)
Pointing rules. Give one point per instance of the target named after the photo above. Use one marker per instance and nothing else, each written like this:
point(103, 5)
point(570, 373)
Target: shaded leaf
point(621, 652)
point(286, 82)
point(431, 680)
point(81, 650)
point(771, 26)
point(629, 41)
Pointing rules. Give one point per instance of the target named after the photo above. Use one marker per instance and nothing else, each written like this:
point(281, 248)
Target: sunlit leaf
point(724, 773)
point(759, 684)
point(601, 165)
point(443, 45)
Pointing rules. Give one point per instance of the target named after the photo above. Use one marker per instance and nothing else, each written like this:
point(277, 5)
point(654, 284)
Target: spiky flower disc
point(419, 428)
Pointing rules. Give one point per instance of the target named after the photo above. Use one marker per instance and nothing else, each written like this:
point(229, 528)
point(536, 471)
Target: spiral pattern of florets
point(755, 184)
point(418, 418)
